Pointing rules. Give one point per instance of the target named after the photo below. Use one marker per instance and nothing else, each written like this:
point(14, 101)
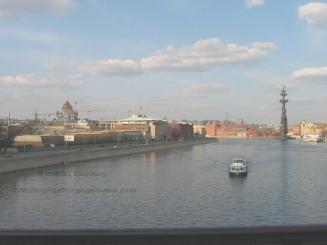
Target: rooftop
point(140, 118)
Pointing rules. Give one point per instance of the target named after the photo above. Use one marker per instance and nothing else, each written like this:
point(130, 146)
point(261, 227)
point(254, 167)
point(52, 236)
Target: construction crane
point(84, 110)
point(37, 115)
point(49, 114)
point(138, 111)
point(89, 111)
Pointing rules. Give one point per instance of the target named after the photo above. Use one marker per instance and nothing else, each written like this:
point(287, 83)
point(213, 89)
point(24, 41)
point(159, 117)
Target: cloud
point(314, 13)
point(253, 3)
point(204, 55)
point(204, 89)
point(32, 80)
point(54, 7)
point(112, 67)
point(313, 74)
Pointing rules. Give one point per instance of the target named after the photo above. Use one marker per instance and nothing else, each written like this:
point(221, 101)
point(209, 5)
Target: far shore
point(245, 138)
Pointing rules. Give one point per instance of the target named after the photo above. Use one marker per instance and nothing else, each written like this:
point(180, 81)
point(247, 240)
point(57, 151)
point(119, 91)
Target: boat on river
point(238, 167)
point(312, 138)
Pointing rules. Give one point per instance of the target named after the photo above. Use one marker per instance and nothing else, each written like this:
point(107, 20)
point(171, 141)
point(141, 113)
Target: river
point(186, 187)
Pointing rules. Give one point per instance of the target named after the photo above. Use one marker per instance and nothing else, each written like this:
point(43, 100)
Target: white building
point(157, 129)
point(107, 125)
point(82, 124)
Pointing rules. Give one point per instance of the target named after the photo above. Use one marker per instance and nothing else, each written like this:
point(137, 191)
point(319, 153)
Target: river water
point(186, 187)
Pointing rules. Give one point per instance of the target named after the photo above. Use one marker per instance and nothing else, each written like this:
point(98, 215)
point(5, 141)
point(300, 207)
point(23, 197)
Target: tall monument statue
point(283, 122)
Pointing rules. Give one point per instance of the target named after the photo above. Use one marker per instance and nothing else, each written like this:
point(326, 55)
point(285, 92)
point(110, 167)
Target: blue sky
point(175, 58)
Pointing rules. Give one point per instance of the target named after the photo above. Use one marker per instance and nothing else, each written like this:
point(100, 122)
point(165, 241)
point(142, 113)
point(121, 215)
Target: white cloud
point(206, 54)
point(252, 3)
point(55, 7)
point(112, 67)
point(32, 80)
point(203, 55)
point(313, 74)
point(314, 13)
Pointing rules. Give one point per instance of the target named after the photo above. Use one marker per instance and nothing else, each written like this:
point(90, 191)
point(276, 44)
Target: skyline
point(165, 56)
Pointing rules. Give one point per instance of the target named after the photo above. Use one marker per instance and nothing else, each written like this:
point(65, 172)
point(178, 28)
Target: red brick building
point(211, 128)
point(296, 130)
point(226, 129)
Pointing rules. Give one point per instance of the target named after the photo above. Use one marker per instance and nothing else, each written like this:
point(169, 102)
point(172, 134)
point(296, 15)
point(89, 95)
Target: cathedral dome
point(67, 106)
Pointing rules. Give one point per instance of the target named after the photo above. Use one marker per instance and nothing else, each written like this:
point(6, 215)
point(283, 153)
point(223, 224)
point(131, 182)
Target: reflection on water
point(187, 187)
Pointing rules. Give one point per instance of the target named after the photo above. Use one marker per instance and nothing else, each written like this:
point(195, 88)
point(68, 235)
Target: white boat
point(238, 167)
point(312, 138)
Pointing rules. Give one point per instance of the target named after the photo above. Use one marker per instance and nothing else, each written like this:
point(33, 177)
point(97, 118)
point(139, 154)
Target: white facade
point(107, 125)
point(140, 119)
point(159, 128)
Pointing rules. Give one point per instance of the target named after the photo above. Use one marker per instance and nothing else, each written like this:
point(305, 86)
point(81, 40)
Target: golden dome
point(67, 106)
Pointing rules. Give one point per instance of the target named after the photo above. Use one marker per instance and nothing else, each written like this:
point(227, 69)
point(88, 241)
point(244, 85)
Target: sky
point(179, 59)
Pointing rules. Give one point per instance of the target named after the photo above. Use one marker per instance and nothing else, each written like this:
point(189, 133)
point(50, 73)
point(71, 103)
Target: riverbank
point(33, 160)
point(245, 138)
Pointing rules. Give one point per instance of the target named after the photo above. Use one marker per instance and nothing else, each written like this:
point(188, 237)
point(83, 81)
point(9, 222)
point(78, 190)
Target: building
point(242, 133)
point(308, 128)
point(51, 128)
point(107, 125)
point(82, 124)
point(226, 129)
point(199, 130)
point(37, 140)
point(144, 128)
point(181, 130)
point(311, 128)
point(153, 129)
point(211, 129)
point(67, 113)
point(296, 129)
point(79, 138)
